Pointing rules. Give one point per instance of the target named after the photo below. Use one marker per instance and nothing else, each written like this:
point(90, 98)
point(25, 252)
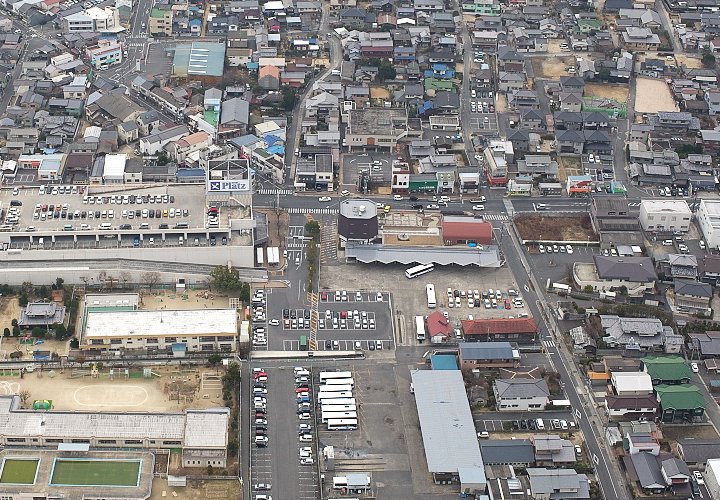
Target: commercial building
point(201, 60)
point(632, 383)
point(712, 477)
point(448, 431)
point(520, 330)
point(160, 22)
point(105, 53)
point(176, 331)
point(94, 19)
point(376, 128)
point(708, 217)
point(665, 215)
point(187, 430)
point(606, 274)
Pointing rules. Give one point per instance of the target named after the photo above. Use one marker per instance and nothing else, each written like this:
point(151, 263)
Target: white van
point(541, 206)
point(144, 225)
point(540, 424)
point(105, 226)
point(181, 241)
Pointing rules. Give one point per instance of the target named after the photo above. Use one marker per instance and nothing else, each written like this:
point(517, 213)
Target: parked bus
point(330, 375)
point(330, 407)
point(340, 381)
point(416, 271)
point(342, 424)
point(338, 401)
point(420, 328)
point(336, 388)
point(430, 290)
point(326, 396)
point(303, 343)
point(260, 259)
point(336, 415)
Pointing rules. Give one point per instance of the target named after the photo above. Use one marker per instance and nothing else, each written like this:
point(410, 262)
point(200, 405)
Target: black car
point(307, 313)
point(286, 313)
point(414, 198)
point(224, 240)
point(532, 425)
point(163, 226)
point(97, 214)
point(416, 206)
point(523, 424)
point(212, 241)
point(515, 425)
point(371, 346)
point(293, 314)
point(328, 344)
point(125, 226)
point(259, 431)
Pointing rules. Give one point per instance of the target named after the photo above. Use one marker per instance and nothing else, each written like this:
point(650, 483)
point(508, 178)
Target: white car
point(306, 461)
point(344, 192)
point(478, 157)
point(274, 322)
point(323, 199)
point(397, 197)
point(698, 477)
point(478, 207)
point(569, 249)
point(694, 367)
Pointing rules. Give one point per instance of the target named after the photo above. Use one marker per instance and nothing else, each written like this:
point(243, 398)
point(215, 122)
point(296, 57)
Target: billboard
point(226, 186)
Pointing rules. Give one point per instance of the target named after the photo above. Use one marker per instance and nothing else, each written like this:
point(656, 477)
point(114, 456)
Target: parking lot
point(379, 165)
point(283, 465)
point(409, 297)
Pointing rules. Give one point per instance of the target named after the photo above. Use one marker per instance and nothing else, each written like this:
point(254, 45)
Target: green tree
point(386, 71)
point(289, 95)
point(74, 343)
point(6, 332)
point(60, 331)
point(708, 59)
point(210, 470)
point(23, 300)
point(38, 332)
point(588, 289)
point(312, 229)
point(59, 283)
point(14, 322)
point(163, 158)
point(16, 331)
point(227, 279)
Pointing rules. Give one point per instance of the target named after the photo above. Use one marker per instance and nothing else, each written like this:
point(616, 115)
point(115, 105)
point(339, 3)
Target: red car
point(507, 304)
point(302, 390)
point(259, 374)
point(323, 296)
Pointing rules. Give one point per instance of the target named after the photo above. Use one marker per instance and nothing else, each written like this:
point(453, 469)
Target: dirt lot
point(552, 67)
point(536, 227)
point(72, 390)
point(196, 489)
point(193, 299)
point(674, 432)
point(500, 103)
point(568, 166)
point(554, 47)
point(607, 91)
point(9, 310)
point(688, 62)
point(653, 96)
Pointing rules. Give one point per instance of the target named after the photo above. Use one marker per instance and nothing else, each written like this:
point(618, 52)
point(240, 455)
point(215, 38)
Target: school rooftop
point(161, 323)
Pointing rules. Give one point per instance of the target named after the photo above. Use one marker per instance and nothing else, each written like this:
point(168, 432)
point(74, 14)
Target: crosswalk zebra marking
point(295, 210)
point(284, 192)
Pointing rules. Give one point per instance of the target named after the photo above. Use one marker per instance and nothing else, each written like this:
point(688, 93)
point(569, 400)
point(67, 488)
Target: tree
point(24, 396)
point(59, 283)
point(214, 359)
point(312, 229)
point(289, 95)
point(74, 343)
point(227, 279)
point(23, 300)
point(38, 332)
point(60, 331)
point(6, 332)
point(588, 289)
point(80, 360)
point(163, 158)
point(124, 277)
point(210, 470)
point(14, 322)
point(386, 71)
point(708, 59)
point(16, 331)
point(150, 279)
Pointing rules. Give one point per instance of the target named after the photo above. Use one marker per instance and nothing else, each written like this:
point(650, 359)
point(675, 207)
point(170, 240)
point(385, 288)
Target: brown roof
point(505, 325)
point(630, 402)
point(438, 325)
point(471, 229)
point(269, 71)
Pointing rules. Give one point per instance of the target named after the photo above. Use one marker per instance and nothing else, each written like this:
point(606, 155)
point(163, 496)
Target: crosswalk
point(548, 343)
point(498, 217)
point(283, 192)
point(634, 204)
point(295, 210)
point(134, 44)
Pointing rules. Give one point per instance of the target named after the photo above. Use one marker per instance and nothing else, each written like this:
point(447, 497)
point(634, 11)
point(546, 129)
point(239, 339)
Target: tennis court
point(95, 472)
point(19, 471)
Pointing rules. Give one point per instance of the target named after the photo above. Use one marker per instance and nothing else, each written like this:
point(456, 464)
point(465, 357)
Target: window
point(133, 441)
point(151, 341)
point(172, 443)
point(107, 441)
point(15, 440)
point(115, 341)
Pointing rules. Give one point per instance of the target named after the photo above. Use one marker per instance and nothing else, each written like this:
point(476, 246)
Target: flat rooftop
point(652, 206)
point(447, 426)
point(170, 323)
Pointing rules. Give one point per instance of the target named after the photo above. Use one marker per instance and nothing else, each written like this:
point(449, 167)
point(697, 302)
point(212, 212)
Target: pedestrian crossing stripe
point(498, 217)
point(548, 343)
point(295, 210)
point(634, 204)
point(283, 192)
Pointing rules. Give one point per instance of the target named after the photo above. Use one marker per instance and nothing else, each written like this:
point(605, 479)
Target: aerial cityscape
point(359, 249)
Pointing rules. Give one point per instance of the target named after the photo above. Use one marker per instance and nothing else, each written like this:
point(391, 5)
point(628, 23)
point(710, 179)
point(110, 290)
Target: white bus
point(420, 327)
point(336, 388)
point(330, 407)
point(430, 290)
point(337, 415)
point(340, 381)
point(338, 401)
point(260, 259)
point(326, 396)
point(416, 271)
point(330, 375)
point(342, 424)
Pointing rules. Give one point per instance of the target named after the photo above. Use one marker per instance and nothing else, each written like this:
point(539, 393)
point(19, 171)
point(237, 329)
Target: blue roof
point(199, 58)
point(195, 22)
point(253, 65)
point(271, 139)
point(276, 150)
point(190, 172)
point(443, 362)
point(425, 106)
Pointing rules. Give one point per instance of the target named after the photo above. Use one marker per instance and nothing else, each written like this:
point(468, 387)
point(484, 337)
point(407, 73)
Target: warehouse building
point(187, 431)
point(448, 431)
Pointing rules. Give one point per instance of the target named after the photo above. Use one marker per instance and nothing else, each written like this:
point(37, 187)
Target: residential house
point(514, 452)
point(510, 60)
point(712, 97)
point(512, 82)
point(157, 140)
point(666, 370)
point(569, 141)
point(439, 328)
point(552, 451)
point(547, 484)
point(631, 383)
point(533, 119)
point(521, 394)
point(571, 102)
point(234, 117)
point(269, 77)
point(475, 355)
point(680, 402)
point(692, 297)
point(630, 406)
point(697, 451)
point(520, 330)
point(641, 442)
point(643, 333)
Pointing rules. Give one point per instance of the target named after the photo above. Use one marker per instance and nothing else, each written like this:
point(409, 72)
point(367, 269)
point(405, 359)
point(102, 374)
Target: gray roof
point(693, 288)
point(355, 208)
point(235, 110)
point(694, 450)
point(447, 426)
point(486, 350)
point(634, 269)
point(674, 467)
point(444, 256)
point(507, 451)
point(558, 483)
point(521, 388)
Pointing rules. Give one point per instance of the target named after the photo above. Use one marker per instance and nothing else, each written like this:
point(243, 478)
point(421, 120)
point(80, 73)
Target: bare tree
point(151, 279)
point(124, 277)
point(24, 396)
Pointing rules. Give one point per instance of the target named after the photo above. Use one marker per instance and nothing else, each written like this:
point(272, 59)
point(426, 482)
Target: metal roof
point(444, 256)
point(446, 423)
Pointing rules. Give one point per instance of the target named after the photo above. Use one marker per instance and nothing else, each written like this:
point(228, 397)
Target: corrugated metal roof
point(444, 256)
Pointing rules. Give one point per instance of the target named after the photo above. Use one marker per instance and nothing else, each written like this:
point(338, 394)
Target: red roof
point(505, 325)
point(438, 325)
point(472, 229)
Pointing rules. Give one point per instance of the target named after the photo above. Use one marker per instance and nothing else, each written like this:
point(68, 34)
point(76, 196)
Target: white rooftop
point(632, 382)
point(115, 166)
point(198, 423)
point(653, 206)
point(710, 207)
point(161, 323)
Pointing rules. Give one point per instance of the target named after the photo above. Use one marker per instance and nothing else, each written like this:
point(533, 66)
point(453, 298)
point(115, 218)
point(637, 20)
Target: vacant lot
point(536, 227)
point(688, 62)
point(607, 91)
point(653, 96)
point(552, 67)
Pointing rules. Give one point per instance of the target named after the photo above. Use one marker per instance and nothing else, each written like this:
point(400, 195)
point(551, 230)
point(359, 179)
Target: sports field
point(19, 471)
point(95, 472)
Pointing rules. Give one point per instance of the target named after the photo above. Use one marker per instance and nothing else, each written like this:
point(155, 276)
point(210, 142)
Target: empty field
point(551, 67)
point(95, 472)
point(607, 91)
point(653, 96)
point(19, 471)
point(536, 227)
